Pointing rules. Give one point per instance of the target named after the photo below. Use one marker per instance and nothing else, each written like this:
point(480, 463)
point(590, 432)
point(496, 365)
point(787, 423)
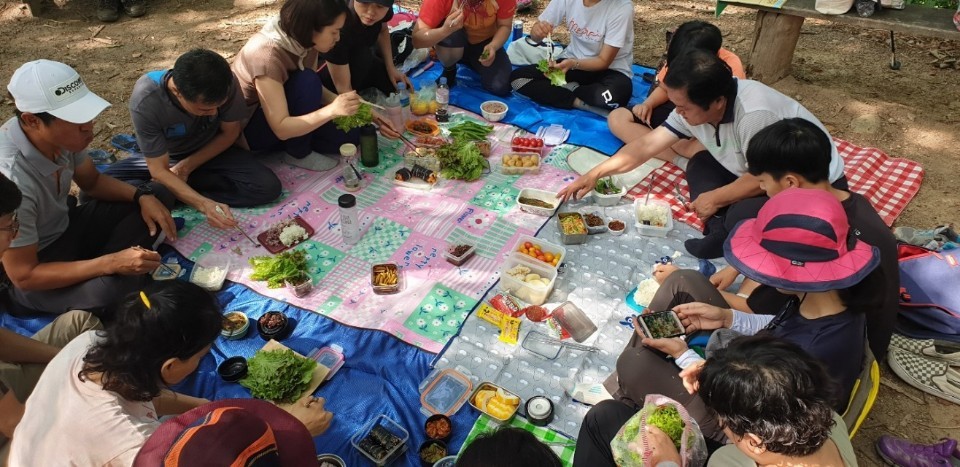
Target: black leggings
point(494, 78)
point(367, 70)
point(607, 89)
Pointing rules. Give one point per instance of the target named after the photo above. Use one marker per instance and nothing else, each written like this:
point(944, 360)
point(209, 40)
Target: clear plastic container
point(210, 271)
point(530, 293)
point(545, 196)
point(380, 278)
point(541, 346)
point(330, 357)
point(608, 200)
point(444, 392)
point(575, 321)
point(571, 238)
point(368, 439)
point(652, 230)
point(463, 257)
point(557, 251)
point(513, 170)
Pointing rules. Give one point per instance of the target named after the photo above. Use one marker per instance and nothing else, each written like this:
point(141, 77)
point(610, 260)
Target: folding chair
point(864, 394)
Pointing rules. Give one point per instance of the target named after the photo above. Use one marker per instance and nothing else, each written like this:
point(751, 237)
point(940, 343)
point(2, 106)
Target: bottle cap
point(347, 201)
point(348, 150)
point(443, 80)
point(401, 86)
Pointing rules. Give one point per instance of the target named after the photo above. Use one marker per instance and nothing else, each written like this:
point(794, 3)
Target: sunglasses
point(14, 226)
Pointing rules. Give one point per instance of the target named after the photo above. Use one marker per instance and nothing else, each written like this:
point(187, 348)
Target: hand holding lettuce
point(557, 76)
point(631, 446)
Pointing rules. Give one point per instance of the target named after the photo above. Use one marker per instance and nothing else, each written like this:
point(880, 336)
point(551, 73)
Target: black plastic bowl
point(279, 333)
point(427, 444)
point(233, 369)
point(438, 416)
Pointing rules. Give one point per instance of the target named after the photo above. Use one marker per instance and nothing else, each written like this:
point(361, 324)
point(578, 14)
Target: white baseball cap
point(54, 88)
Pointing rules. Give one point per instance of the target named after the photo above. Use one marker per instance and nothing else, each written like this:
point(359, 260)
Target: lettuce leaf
point(363, 117)
point(290, 264)
point(556, 76)
point(279, 376)
point(667, 418)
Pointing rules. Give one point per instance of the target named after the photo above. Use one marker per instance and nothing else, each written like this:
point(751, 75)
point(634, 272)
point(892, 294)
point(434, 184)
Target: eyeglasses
point(14, 226)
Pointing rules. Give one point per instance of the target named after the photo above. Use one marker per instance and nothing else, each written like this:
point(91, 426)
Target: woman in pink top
point(629, 125)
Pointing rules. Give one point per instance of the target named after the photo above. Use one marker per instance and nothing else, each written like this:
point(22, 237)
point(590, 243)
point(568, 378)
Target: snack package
point(510, 330)
point(506, 304)
point(490, 315)
point(630, 447)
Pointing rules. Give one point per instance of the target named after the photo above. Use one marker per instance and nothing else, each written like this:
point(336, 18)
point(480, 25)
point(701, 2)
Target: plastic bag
point(630, 445)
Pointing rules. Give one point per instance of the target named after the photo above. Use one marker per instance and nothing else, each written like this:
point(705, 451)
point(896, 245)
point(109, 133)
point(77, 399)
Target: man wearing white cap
point(69, 256)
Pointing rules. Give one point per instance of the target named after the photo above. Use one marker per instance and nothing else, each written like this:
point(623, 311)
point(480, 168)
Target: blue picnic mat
point(381, 374)
point(586, 129)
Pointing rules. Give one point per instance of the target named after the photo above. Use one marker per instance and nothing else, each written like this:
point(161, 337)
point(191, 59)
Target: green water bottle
point(369, 150)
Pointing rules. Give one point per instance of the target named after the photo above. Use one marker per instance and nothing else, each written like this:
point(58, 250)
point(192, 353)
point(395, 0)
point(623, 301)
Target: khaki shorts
point(21, 378)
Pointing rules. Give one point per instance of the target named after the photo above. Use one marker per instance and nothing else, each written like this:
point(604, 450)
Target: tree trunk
point(774, 40)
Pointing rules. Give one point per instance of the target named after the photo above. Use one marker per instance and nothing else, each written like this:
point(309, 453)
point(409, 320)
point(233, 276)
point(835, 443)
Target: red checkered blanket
point(889, 183)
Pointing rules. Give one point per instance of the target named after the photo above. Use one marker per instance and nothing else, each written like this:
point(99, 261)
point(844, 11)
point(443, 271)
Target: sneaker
point(934, 377)
point(939, 350)
point(108, 11)
point(314, 161)
point(901, 452)
point(135, 8)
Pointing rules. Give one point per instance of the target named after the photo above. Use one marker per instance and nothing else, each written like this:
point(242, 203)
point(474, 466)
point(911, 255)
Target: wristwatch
point(142, 190)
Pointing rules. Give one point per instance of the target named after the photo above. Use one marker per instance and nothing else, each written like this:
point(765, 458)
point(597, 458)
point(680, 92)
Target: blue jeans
point(304, 92)
point(234, 177)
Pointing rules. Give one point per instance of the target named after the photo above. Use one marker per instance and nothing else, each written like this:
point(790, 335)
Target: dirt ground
point(840, 73)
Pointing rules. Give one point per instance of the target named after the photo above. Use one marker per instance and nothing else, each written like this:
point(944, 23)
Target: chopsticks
point(162, 264)
point(255, 244)
point(371, 104)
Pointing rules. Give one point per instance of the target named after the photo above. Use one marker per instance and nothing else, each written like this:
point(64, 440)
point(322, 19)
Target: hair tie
point(145, 300)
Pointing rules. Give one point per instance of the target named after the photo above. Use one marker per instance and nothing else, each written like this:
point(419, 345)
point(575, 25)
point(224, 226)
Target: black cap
point(347, 201)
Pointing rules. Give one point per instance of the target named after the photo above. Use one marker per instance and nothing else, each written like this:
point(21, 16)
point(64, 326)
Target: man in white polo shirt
point(722, 113)
point(68, 256)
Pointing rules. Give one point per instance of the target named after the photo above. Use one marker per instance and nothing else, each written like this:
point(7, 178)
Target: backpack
point(929, 293)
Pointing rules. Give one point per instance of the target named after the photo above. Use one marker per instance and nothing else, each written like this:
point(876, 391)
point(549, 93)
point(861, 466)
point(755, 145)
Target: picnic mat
point(406, 226)
point(563, 447)
point(380, 374)
point(596, 276)
point(889, 183)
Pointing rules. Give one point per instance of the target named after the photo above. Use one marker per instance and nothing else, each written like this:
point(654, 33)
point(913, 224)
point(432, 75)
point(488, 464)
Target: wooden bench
point(776, 31)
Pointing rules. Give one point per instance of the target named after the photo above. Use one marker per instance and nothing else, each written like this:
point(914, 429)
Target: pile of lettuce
point(461, 160)
point(279, 376)
point(291, 264)
point(557, 76)
point(667, 418)
point(363, 117)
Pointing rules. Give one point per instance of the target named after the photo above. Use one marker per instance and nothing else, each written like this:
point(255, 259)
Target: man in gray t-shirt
point(68, 256)
point(722, 114)
point(187, 120)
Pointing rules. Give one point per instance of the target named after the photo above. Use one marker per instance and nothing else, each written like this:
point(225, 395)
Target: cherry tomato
point(538, 143)
point(528, 245)
point(516, 140)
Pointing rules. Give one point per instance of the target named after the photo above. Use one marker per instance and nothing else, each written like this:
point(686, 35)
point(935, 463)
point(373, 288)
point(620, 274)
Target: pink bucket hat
point(800, 242)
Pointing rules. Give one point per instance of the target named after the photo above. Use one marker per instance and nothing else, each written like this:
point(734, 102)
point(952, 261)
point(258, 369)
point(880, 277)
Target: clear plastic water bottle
point(443, 100)
point(394, 112)
point(404, 102)
point(349, 219)
point(348, 153)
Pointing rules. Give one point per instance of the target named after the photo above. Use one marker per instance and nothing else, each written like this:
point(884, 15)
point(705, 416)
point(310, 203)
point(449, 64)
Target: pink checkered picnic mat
point(889, 183)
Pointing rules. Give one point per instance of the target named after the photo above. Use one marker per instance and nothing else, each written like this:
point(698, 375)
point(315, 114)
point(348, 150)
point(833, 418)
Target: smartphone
point(661, 324)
